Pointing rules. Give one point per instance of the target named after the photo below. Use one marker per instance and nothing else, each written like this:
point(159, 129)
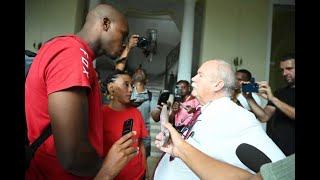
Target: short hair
point(226, 73)
point(183, 81)
point(288, 57)
point(140, 75)
point(244, 71)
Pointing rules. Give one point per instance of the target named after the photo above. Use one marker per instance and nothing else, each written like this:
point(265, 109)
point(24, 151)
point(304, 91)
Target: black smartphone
point(163, 97)
point(251, 87)
point(127, 126)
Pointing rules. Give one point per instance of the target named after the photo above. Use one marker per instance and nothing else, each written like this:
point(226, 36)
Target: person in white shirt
point(221, 126)
point(243, 75)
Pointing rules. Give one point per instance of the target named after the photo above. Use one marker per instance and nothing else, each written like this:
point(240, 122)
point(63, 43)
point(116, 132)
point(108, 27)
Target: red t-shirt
point(112, 131)
point(61, 63)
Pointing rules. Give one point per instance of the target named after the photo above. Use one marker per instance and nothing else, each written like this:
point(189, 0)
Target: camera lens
point(142, 43)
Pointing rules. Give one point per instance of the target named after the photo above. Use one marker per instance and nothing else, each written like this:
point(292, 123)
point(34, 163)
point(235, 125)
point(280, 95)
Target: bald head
point(102, 11)
point(221, 70)
point(215, 79)
point(105, 31)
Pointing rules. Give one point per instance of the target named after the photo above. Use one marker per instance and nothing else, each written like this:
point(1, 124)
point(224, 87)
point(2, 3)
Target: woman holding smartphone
point(115, 115)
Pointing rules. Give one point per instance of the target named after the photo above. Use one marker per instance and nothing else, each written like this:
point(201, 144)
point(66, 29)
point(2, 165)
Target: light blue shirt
point(145, 110)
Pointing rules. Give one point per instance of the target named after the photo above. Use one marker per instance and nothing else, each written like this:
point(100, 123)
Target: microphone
point(252, 157)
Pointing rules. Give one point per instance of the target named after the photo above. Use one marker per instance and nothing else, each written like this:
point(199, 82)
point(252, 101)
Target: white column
point(93, 3)
point(186, 46)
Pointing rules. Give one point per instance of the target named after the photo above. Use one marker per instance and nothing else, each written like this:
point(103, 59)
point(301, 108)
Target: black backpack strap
point(45, 134)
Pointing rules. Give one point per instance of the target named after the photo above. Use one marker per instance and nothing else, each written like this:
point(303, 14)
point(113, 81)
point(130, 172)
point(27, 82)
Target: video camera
point(251, 87)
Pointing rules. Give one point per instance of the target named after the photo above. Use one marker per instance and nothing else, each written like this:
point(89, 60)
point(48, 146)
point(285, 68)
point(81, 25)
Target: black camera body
point(143, 43)
point(251, 87)
point(177, 94)
point(163, 97)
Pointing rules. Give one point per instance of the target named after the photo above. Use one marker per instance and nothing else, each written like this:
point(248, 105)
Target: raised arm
point(155, 113)
point(285, 108)
point(262, 114)
point(118, 156)
point(122, 62)
point(68, 112)
point(266, 92)
point(204, 166)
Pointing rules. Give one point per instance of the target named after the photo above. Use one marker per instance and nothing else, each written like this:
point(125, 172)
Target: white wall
point(237, 28)
point(45, 19)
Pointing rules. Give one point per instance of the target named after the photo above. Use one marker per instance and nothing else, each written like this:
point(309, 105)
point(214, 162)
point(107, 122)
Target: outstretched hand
point(174, 142)
point(118, 156)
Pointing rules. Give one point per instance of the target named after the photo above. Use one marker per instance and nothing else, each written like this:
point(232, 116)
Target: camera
point(163, 97)
point(143, 43)
point(251, 87)
point(177, 94)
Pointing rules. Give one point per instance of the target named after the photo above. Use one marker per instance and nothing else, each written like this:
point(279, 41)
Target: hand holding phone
point(127, 126)
point(164, 117)
point(250, 87)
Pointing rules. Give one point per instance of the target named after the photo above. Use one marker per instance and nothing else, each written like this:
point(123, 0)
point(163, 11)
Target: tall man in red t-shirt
point(62, 90)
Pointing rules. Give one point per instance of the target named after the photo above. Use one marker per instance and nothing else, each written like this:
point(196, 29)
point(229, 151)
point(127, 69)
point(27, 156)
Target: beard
point(290, 81)
point(291, 84)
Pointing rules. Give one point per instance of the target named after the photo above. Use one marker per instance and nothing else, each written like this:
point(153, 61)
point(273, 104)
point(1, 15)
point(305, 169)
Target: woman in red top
point(119, 89)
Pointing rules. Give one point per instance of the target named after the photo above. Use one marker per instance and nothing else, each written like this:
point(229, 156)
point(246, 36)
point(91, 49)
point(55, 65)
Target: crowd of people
point(209, 120)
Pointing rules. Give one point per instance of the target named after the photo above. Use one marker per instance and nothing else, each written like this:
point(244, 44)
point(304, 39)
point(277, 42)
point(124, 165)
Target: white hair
point(225, 72)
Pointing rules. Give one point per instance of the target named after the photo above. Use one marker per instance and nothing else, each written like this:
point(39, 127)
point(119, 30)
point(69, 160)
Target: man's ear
point(106, 23)
point(217, 85)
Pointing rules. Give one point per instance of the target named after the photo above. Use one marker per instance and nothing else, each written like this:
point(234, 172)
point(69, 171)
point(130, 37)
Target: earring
point(110, 96)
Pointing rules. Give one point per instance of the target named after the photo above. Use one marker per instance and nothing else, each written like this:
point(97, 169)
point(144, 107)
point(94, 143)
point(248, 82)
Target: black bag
point(31, 149)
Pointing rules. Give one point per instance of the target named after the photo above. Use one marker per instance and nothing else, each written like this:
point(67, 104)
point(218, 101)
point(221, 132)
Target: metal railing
point(171, 59)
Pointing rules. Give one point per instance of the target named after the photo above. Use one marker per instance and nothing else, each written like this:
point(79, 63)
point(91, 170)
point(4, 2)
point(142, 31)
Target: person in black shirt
point(279, 113)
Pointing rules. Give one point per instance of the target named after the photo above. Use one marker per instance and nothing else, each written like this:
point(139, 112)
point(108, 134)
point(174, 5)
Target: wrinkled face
point(122, 88)
point(113, 40)
point(288, 70)
point(239, 78)
point(184, 89)
point(202, 83)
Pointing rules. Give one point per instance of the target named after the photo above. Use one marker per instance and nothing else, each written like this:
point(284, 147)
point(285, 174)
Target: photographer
point(243, 78)
point(280, 110)
point(122, 62)
point(183, 106)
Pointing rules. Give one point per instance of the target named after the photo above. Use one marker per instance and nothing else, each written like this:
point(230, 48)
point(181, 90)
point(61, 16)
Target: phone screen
point(127, 126)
